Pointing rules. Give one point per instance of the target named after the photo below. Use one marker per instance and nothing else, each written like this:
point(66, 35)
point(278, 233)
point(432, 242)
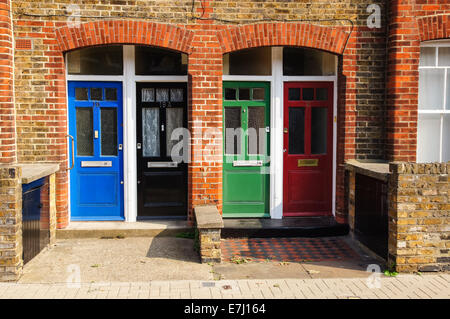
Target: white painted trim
point(277, 81)
point(129, 80)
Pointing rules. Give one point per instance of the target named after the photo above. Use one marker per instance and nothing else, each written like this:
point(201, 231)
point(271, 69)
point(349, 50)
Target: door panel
point(162, 180)
point(246, 149)
point(308, 152)
point(95, 122)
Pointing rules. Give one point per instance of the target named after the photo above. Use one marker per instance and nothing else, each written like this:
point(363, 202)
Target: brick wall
point(7, 112)
point(10, 223)
point(365, 69)
point(419, 220)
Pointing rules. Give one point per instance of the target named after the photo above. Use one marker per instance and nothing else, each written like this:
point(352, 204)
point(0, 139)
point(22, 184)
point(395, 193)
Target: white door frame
point(277, 81)
point(128, 79)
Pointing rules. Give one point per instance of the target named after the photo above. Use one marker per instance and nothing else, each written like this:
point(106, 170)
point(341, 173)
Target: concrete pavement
point(376, 286)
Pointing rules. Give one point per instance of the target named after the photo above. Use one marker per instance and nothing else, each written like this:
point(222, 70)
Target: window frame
point(442, 112)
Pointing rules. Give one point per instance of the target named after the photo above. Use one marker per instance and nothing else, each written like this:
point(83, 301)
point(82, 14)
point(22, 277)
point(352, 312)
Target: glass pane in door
point(108, 118)
point(233, 130)
point(256, 130)
point(85, 130)
point(296, 130)
point(150, 132)
point(318, 130)
point(174, 120)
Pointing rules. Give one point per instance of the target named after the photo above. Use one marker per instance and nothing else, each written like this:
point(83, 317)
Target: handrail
point(73, 154)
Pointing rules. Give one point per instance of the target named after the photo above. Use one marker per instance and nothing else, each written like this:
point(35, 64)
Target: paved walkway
point(402, 286)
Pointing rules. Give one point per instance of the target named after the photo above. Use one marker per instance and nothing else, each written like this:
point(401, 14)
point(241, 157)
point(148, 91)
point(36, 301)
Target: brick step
point(287, 227)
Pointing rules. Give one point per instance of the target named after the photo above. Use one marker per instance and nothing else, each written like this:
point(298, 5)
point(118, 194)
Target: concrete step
point(324, 226)
point(99, 229)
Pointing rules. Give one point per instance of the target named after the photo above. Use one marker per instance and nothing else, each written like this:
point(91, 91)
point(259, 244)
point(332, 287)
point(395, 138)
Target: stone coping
point(375, 169)
point(35, 171)
point(208, 217)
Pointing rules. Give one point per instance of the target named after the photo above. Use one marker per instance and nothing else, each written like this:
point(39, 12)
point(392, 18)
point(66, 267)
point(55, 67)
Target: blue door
point(95, 123)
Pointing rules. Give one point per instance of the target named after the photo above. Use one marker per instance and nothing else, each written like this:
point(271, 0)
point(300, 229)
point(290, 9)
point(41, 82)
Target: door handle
point(73, 153)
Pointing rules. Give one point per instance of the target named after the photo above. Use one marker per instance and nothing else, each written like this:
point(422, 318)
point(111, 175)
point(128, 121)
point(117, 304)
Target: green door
point(246, 149)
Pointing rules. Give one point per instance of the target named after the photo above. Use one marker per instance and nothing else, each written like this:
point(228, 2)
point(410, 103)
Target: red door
point(308, 148)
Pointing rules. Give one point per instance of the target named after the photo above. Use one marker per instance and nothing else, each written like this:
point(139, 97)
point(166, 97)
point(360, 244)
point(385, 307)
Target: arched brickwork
point(124, 32)
point(332, 39)
point(434, 27)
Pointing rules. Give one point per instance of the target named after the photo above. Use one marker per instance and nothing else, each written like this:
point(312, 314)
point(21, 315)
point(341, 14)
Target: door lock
point(284, 150)
point(95, 134)
point(138, 146)
point(120, 147)
point(285, 130)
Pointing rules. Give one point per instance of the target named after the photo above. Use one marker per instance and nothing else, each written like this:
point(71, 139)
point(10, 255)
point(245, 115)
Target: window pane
point(446, 139)
point(308, 94)
point(428, 138)
point(176, 95)
point(230, 94)
point(296, 130)
point(302, 61)
point(259, 94)
point(431, 89)
point(106, 60)
point(110, 94)
point(444, 57)
point(244, 94)
point(150, 132)
point(109, 130)
point(155, 61)
point(174, 120)
point(322, 94)
point(294, 94)
point(448, 91)
point(81, 94)
point(162, 95)
point(233, 131)
point(148, 95)
point(427, 57)
point(318, 130)
point(256, 130)
point(85, 128)
point(96, 94)
point(248, 62)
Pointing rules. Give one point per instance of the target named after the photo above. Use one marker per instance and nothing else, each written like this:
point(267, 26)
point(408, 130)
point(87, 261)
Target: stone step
point(325, 226)
point(99, 229)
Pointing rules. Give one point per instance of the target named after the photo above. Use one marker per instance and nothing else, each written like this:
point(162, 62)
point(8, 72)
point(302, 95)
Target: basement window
point(104, 60)
point(308, 62)
point(256, 61)
point(433, 128)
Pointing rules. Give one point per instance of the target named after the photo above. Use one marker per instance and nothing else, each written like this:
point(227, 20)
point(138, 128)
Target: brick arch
point(434, 27)
point(124, 32)
point(328, 38)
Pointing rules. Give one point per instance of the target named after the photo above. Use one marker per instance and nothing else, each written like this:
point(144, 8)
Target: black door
point(162, 175)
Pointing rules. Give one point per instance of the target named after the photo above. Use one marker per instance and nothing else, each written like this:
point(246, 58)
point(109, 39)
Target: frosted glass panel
point(318, 130)
point(431, 89)
point(256, 130)
point(428, 138)
point(150, 132)
point(85, 128)
point(148, 95)
point(427, 57)
point(109, 130)
point(446, 139)
point(444, 57)
point(232, 132)
point(174, 120)
point(176, 95)
point(162, 95)
point(81, 94)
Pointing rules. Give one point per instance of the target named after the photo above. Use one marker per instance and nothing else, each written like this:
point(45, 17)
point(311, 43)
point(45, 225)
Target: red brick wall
point(361, 76)
point(7, 112)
